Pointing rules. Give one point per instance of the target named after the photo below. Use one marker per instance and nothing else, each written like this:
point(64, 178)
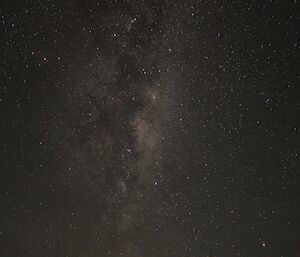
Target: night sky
point(149, 128)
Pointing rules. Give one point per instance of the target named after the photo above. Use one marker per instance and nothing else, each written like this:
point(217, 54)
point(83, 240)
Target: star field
point(149, 128)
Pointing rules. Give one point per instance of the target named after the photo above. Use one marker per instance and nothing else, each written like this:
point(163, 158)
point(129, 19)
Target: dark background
point(149, 128)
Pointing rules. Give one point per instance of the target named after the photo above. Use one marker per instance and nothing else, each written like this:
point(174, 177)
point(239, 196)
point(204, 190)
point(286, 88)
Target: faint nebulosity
point(149, 128)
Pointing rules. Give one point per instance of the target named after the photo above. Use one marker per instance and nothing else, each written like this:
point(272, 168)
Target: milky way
point(149, 128)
